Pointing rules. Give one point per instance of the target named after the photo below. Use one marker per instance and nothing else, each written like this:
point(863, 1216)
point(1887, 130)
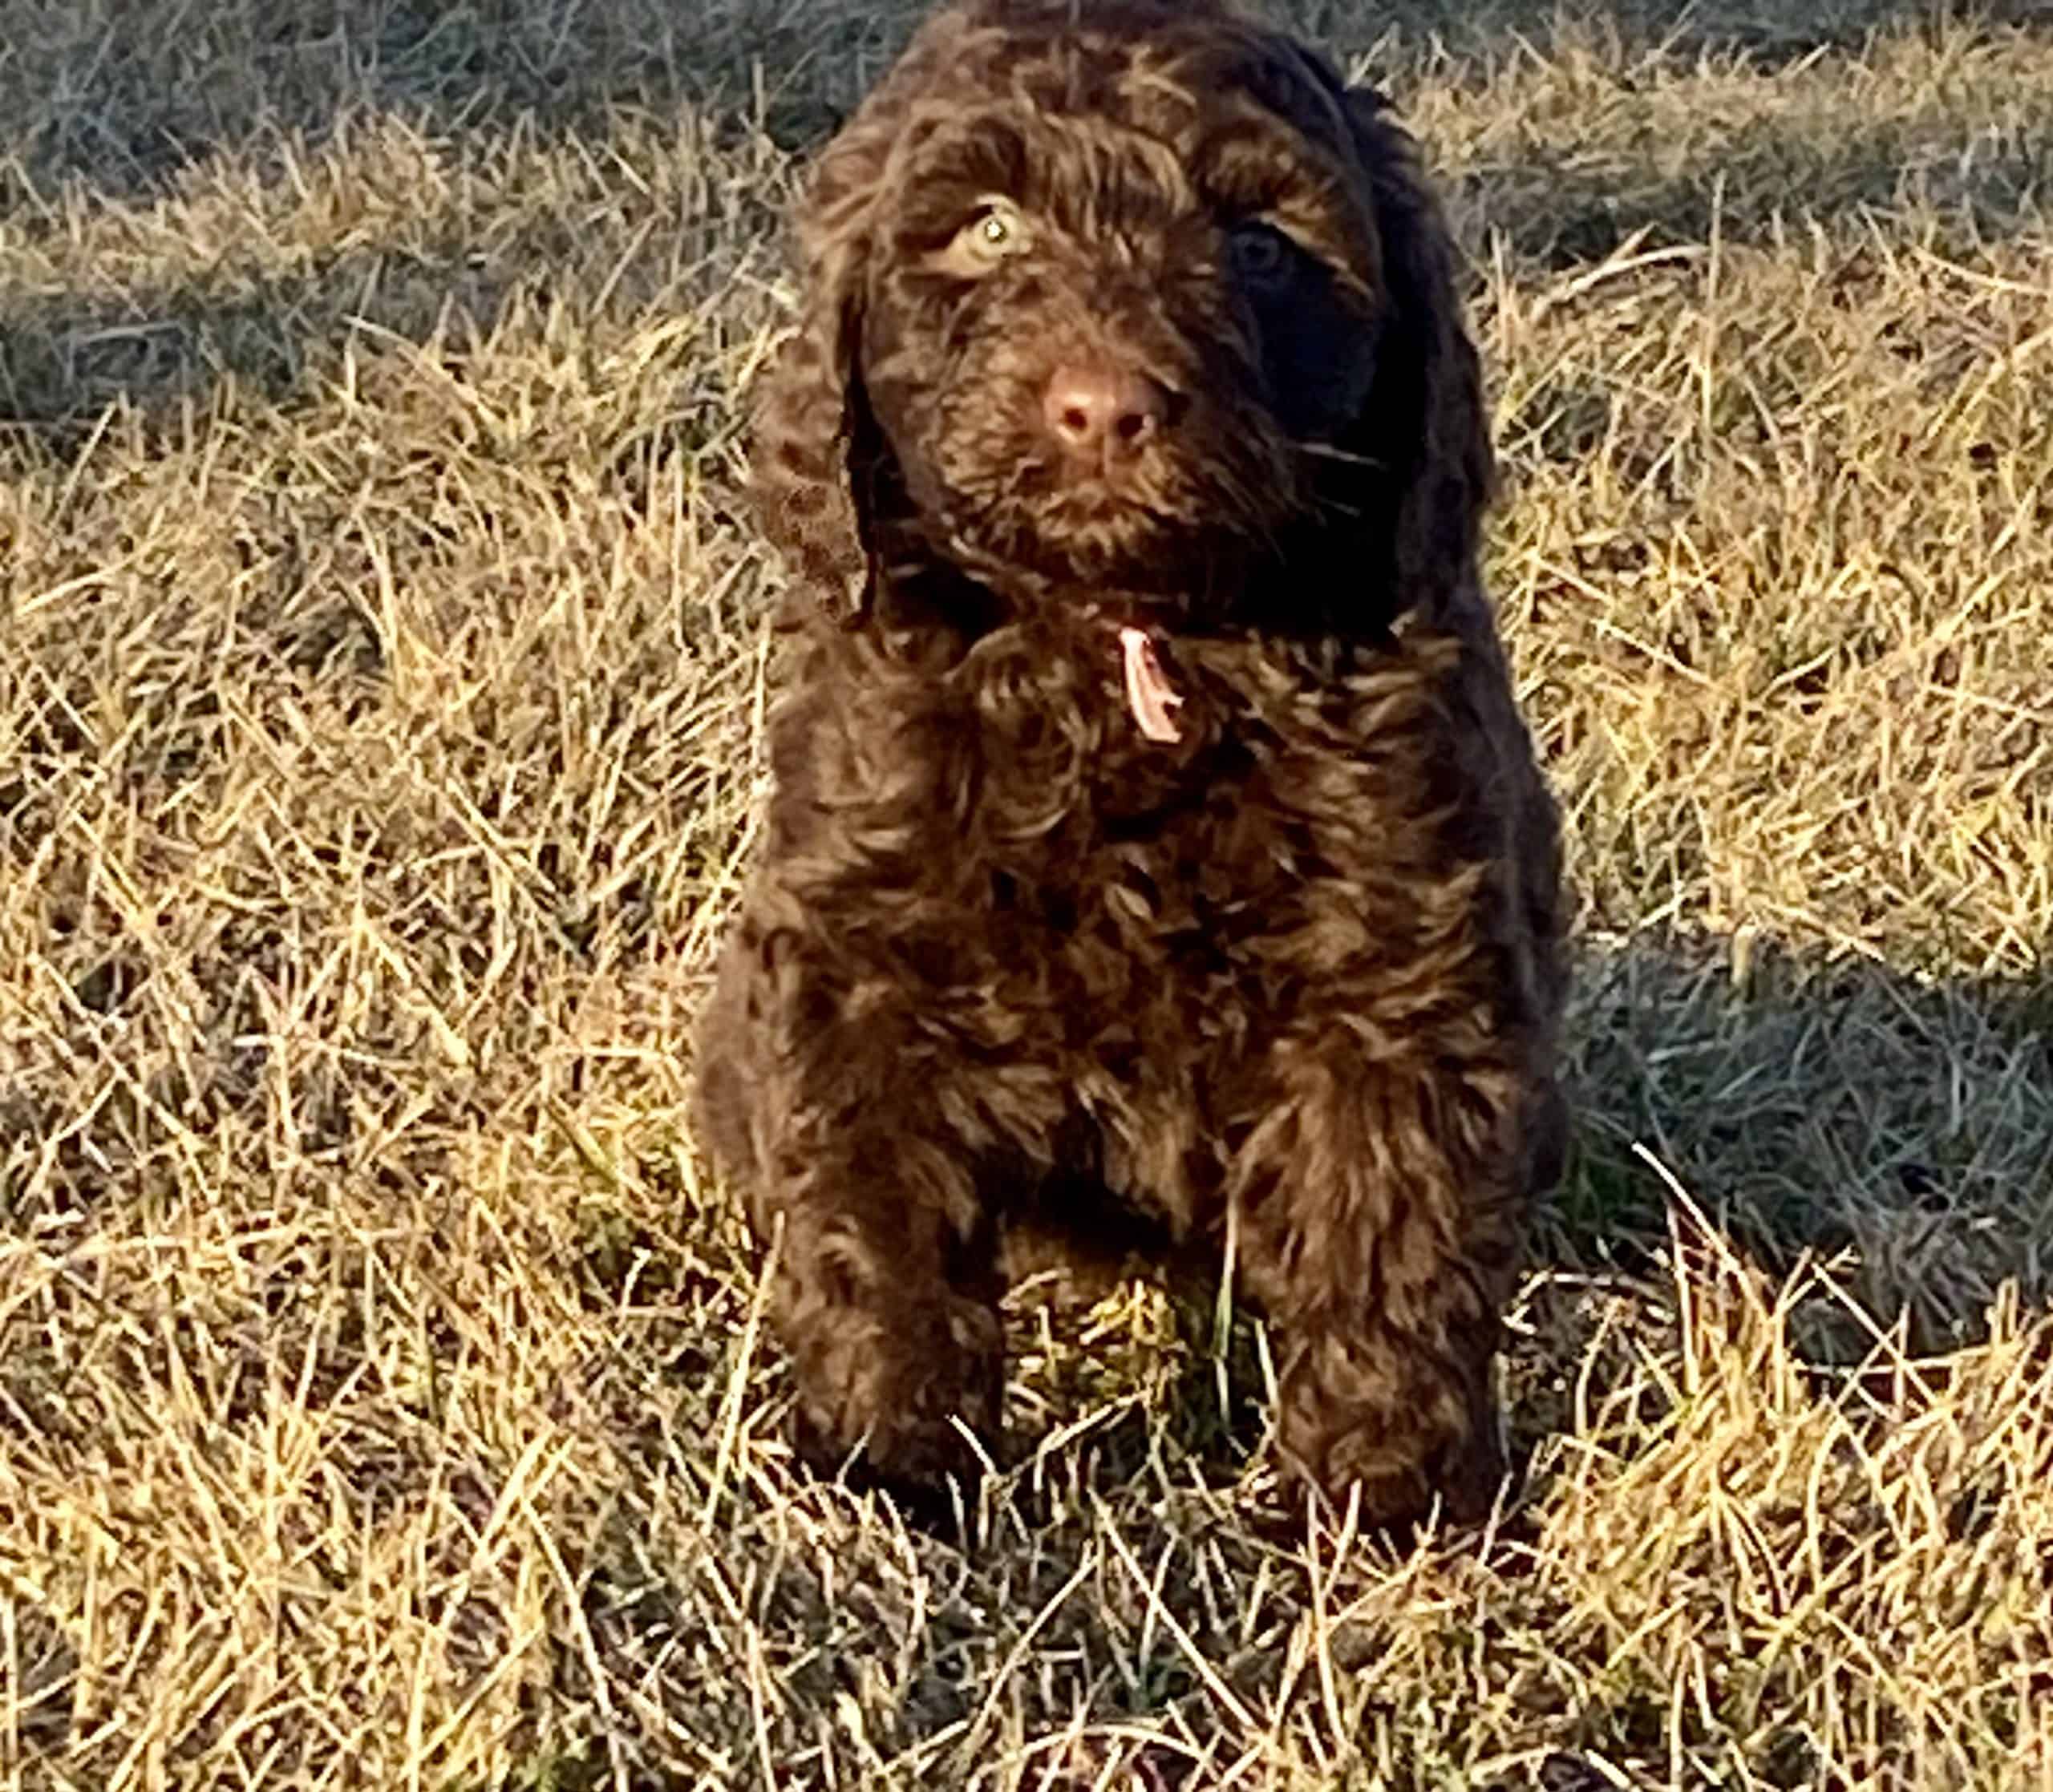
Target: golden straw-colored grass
point(382, 1403)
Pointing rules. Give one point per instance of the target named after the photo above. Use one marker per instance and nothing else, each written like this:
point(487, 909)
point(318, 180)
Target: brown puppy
point(1154, 833)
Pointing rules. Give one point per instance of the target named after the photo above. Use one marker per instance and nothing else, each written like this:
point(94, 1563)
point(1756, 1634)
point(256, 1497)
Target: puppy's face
point(1122, 300)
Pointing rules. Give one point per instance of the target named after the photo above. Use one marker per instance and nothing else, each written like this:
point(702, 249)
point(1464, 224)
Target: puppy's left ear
point(816, 453)
point(1423, 428)
point(810, 455)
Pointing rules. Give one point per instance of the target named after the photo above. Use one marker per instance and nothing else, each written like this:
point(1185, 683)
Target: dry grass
point(381, 1400)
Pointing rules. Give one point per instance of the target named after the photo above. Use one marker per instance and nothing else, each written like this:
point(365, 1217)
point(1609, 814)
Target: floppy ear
point(1423, 428)
point(816, 452)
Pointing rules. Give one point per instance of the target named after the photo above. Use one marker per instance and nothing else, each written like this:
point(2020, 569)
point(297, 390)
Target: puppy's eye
point(997, 232)
point(1261, 255)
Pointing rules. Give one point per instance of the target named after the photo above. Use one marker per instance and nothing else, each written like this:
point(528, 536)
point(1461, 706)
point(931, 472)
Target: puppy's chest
point(1115, 845)
point(1075, 741)
point(1024, 805)
point(1004, 833)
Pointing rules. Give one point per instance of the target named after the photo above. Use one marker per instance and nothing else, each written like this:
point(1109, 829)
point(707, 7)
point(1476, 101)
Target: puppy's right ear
point(816, 452)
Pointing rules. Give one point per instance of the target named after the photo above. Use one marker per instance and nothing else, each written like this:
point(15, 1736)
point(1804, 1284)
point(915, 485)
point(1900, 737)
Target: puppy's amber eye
point(996, 232)
point(1261, 255)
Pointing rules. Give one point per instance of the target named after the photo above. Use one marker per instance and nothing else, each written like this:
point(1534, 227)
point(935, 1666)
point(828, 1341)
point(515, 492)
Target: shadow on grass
point(64, 360)
point(121, 102)
point(1769, 33)
point(1563, 209)
point(1839, 1110)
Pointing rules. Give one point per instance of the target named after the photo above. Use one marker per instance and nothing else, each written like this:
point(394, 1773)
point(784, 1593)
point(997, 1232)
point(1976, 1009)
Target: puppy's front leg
point(1380, 1208)
point(889, 1311)
point(884, 1286)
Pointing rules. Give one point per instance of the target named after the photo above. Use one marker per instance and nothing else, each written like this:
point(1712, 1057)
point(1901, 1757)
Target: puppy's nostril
point(1095, 409)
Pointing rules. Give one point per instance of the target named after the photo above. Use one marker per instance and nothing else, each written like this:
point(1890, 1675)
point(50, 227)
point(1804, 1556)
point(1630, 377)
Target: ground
point(382, 1402)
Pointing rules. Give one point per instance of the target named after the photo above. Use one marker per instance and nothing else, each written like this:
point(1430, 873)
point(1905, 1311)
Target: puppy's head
point(1132, 297)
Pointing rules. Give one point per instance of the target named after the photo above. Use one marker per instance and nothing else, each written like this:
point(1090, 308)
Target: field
point(382, 1402)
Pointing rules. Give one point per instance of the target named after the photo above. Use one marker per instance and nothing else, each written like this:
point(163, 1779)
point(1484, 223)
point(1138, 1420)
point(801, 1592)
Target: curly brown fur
point(1004, 960)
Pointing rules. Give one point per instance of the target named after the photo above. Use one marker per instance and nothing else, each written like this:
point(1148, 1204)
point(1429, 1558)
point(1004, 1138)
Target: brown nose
point(1098, 413)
